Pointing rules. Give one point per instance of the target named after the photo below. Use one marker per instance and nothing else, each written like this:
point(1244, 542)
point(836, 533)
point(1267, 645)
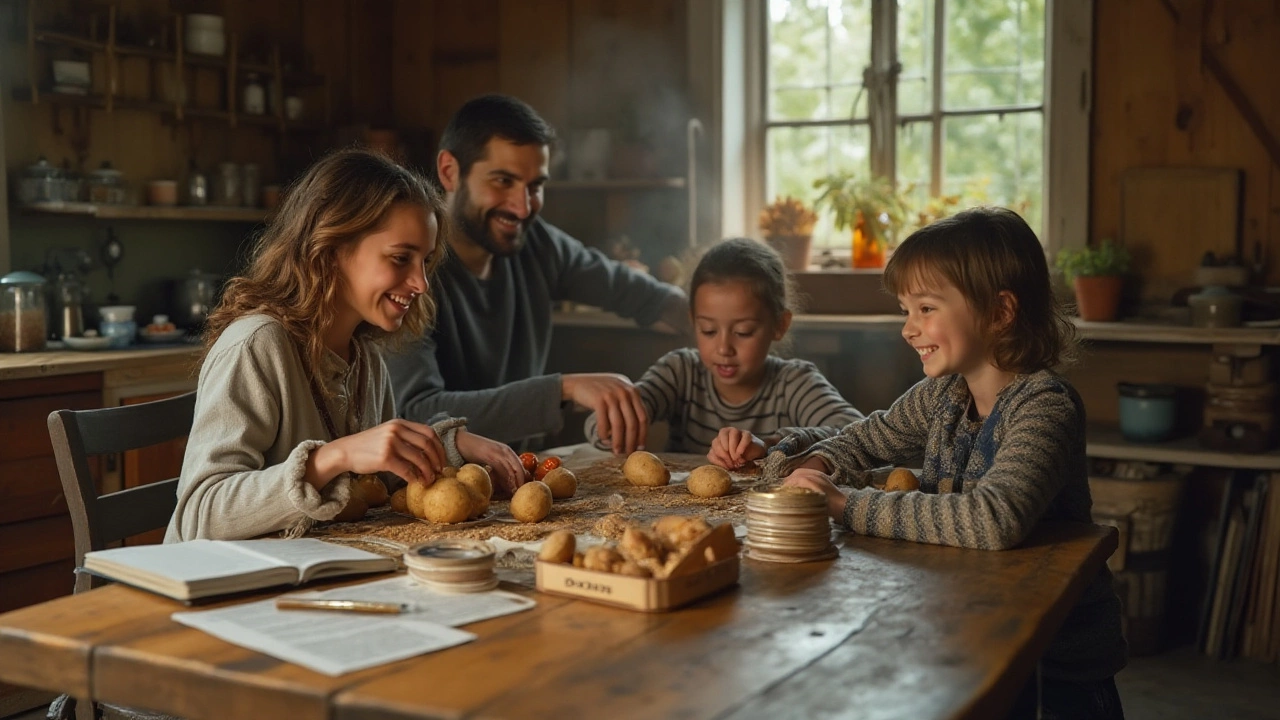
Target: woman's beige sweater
point(255, 426)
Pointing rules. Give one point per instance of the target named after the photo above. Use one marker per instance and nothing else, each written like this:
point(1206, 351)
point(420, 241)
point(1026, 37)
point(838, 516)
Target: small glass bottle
point(255, 96)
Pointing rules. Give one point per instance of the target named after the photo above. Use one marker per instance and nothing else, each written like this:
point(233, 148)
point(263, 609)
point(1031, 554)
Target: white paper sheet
point(334, 643)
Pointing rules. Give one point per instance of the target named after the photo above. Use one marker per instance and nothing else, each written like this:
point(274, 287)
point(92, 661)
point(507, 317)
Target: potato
point(577, 559)
point(601, 558)
point(448, 471)
point(355, 509)
point(646, 470)
point(447, 501)
point(532, 502)
point(559, 547)
point(371, 488)
point(637, 544)
point(901, 480)
point(679, 531)
point(477, 480)
point(400, 501)
point(626, 567)
point(414, 493)
point(563, 483)
point(710, 481)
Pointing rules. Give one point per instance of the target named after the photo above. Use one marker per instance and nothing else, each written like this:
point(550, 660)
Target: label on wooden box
point(633, 593)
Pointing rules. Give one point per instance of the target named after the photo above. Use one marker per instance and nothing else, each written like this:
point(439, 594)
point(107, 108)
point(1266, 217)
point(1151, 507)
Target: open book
point(204, 568)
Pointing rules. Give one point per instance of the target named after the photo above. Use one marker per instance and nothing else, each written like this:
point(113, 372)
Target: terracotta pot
point(1098, 297)
point(794, 250)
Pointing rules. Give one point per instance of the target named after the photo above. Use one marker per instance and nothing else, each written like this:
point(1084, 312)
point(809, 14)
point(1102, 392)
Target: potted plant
point(787, 225)
point(871, 208)
point(1097, 275)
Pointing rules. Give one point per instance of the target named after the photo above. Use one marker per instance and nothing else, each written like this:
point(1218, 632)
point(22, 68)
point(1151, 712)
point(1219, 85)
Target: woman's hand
point(808, 477)
point(409, 449)
point(734, 448)
point(508, 472)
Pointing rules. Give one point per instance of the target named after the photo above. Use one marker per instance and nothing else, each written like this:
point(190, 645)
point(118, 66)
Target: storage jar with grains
point(23, 318)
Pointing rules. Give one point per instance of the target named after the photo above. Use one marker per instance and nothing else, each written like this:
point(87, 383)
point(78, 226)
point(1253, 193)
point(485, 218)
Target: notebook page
point(304, 553)
point(187, 562)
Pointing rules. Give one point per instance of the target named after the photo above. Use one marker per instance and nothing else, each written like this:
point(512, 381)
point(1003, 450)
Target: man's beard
point(475, 225)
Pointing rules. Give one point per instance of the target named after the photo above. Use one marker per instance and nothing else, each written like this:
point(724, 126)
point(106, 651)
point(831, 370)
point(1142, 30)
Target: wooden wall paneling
point(369, 29)
point(32, 489)
point(412, 73)
point(37, 584)
point(1146, 72)
point(35, 542)
point(533, 55)
point(324, 35)
point(22, 422)
point(465, 55)
point(1170, 217)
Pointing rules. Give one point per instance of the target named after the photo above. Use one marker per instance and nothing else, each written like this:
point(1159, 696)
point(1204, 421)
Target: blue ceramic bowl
point(1147, 411)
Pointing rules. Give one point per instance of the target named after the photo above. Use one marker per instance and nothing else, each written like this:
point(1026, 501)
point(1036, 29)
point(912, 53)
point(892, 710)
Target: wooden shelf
point(620, 184)
point(151, 212)
point(1105, 441)
point(1179, 334)
point(121, 103)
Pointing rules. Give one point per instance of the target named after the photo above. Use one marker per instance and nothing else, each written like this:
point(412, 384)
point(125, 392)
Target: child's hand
point(409, 449)
point(734, 448)
point(817, 480)
point(508, 471)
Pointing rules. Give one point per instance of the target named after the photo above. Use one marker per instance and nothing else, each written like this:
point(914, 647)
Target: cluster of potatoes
point(458, 494)
point(367, 491)
point(464, 493)
point(645, 553)
point(644, 469)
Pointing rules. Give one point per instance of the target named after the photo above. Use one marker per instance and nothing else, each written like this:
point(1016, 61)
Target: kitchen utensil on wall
point(197, 295)
point(112, 254)
point(23, 319)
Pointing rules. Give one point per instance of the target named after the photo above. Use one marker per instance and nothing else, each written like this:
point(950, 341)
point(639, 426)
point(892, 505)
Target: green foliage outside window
point(1107, 258)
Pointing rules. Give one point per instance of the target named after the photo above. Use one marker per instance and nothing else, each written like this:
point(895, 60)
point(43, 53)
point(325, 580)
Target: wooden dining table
point(888, 629)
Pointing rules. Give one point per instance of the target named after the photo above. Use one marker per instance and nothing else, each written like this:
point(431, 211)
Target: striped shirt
point(985, 485)
point(794, 398)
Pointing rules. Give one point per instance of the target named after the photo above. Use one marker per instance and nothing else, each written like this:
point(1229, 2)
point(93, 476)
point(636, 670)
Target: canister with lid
point(23, 317)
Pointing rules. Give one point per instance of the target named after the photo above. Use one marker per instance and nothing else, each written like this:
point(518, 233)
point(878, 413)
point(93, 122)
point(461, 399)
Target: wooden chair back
point(99, 520)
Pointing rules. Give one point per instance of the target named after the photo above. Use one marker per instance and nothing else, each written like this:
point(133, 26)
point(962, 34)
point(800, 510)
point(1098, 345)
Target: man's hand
point(807, 477)
point(675, 317)
point(734, 448)
point(621, 419)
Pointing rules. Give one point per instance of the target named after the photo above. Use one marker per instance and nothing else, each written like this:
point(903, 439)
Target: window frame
point(730, 73)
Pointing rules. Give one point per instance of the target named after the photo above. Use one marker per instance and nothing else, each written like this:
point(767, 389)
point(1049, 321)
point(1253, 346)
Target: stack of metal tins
point(452, 565)
point(788, 524)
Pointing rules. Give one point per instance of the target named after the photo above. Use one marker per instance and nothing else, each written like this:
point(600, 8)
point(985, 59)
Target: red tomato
point(529, 461)
point(551, 463)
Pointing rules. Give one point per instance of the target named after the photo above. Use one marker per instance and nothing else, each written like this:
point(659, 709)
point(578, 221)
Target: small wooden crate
point(633, 593)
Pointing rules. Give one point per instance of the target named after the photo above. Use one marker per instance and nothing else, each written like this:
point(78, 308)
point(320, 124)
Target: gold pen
point(362, 606)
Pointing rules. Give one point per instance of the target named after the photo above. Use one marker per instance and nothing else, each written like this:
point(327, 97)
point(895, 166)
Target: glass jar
point(227, 185)
point(106, 185)
point(118, 325)
point(23, 318)
point(255, 96)
point(40, 182)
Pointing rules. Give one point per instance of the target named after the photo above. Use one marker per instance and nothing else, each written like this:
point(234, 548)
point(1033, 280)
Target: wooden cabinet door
point(152, 464)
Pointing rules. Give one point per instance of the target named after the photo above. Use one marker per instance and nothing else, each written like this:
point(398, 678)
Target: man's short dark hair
point(486, 117)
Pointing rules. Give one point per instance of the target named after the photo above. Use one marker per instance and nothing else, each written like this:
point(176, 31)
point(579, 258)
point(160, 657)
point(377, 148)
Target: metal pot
point(196, 296)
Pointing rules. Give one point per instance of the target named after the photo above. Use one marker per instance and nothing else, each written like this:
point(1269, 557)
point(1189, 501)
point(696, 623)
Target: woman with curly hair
point(293, 396)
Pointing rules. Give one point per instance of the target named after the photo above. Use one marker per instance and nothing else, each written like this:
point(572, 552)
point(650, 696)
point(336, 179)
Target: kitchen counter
point(15, 366)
